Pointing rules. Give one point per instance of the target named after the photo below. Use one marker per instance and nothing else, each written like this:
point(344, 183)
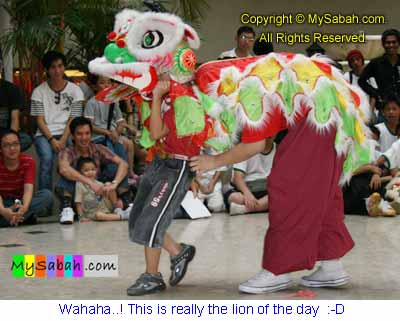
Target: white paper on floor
point(194, 207)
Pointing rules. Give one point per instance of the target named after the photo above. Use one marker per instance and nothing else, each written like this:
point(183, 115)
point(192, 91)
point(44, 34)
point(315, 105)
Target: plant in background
point(78, 28)
point(34, 30)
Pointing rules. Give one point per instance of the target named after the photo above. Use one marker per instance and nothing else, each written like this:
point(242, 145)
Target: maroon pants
point(306, 220)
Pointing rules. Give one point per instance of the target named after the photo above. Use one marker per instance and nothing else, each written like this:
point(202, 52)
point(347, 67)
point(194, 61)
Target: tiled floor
point(228, 251)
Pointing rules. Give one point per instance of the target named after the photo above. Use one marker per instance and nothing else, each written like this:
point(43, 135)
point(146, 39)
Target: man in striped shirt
point(18, 203)
point(54, 103)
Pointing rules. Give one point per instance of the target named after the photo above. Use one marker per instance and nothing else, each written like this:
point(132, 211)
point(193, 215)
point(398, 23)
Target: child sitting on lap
point(96, 207)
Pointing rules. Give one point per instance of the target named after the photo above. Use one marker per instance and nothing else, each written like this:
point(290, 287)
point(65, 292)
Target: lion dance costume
point(245, 100)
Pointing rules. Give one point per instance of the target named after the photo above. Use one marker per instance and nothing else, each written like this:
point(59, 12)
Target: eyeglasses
point(243, 37)
point(57, 98)
point(10, 145)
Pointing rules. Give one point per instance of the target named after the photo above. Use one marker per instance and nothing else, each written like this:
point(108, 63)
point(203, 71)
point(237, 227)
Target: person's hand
point(202, 163)
point(161, 88)
point(84, 220)
point(195, 188)
point(56, 145)
point(203, 188)
point(109, 188)
point(21, 210)
point(208, 189)
point(375, 182)
point(132, 130)
point(97, 188)
point(114, 136)
point(250, 201)
point(17, 218)
point(63, 142)
point(9, 215)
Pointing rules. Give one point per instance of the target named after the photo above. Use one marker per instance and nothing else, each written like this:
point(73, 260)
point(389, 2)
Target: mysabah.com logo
point(64, 266)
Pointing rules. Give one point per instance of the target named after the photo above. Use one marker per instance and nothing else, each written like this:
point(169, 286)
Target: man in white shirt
point(245, 37)
point(250, 193)
point(389, 129)
point(54, 103)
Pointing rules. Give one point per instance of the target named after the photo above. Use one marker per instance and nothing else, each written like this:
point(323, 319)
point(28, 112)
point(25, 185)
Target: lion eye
point(152, 39)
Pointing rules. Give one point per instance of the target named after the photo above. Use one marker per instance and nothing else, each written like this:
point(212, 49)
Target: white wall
point(223, 19)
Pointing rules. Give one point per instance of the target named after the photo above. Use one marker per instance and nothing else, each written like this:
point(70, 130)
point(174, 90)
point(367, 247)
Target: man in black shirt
point(11, 102)
point(385, 69)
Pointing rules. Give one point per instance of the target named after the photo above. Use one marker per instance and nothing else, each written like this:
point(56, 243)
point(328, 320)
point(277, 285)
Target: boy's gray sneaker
point(147, 283)
point(180, 263)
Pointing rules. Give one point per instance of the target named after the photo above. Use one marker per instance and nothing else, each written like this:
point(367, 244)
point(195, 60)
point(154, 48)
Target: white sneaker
point(265, 281)
point(237, 209)
point(124, 214)
point(329, 274)
point(67, 216)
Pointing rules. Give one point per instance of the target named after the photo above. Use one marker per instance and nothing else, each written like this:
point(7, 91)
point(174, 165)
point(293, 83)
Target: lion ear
point(192, 37)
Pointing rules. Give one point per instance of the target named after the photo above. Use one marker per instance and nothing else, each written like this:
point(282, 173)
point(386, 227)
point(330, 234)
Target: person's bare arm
point(386, 179)
point(70, 173)
point(214, 180)
point(99, 130)
point(120, 126)
point(27, 198)
point(122, 170)
point(240, 183)
point(235, 155)
point(129, 111)
point(66, 133)
point(55, 143)
point(105, 132)
point(123, 124)
point(368, 168)
point(15, 120)
point(157, 127)
point(41, 122)
point(249, 199)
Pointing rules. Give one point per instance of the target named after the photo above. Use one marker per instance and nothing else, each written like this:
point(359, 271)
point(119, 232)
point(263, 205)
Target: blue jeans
point(110, 170)
point(41, 201)
point(25, 140)
point(118, 148)
point(46, 156)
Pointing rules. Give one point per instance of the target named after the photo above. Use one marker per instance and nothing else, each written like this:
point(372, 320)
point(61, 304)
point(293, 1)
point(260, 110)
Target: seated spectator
point(18, 203)
point(245, 37)
point(250, 177)
point(389, 130)
point(108, 124)
point(54, 103)
point(11, 104)
point(110, 168)
point(90, 206)
point(365, 181)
